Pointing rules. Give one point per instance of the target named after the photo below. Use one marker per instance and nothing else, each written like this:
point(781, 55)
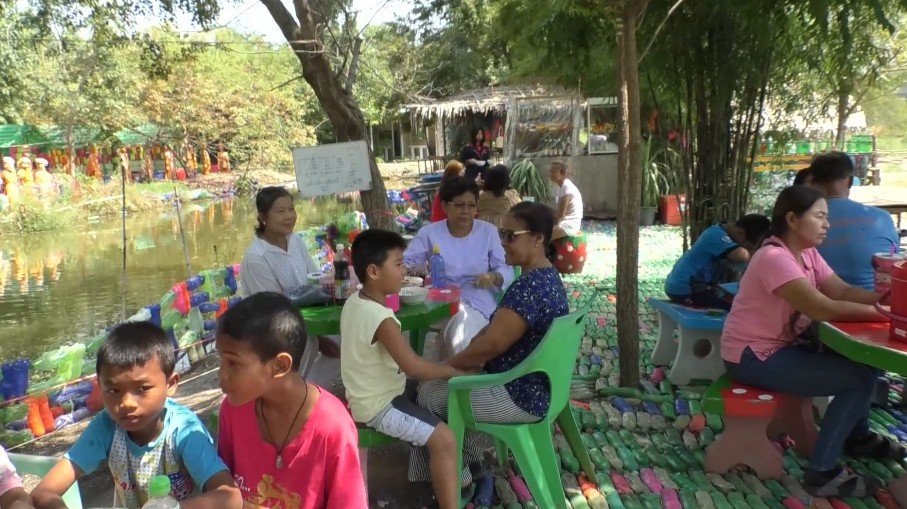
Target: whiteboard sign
point(332, 169)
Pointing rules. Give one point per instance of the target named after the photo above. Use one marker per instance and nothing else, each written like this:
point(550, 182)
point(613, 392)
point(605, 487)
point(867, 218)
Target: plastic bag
point(309, 295)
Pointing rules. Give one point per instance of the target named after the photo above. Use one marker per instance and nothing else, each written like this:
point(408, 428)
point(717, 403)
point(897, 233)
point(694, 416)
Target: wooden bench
point(697, 353)
point(752, 419)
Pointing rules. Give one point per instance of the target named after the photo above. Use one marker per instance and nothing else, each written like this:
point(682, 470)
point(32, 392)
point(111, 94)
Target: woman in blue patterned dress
point(520, 322)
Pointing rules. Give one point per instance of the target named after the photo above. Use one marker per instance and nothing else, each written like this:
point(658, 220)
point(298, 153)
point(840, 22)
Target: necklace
point(369, 297)
point(278, 463)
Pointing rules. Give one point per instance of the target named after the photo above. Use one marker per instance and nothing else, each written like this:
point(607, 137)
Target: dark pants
point(705, 296)
point(797, 371)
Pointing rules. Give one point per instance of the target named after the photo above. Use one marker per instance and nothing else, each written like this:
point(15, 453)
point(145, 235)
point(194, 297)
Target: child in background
point(376, 360)
point(287, 442)
point(143, 433)
point(12, 494)
point(694, 279)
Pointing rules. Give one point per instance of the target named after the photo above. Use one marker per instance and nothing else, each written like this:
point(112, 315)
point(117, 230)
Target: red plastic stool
point(570, 257)
point(751, 417)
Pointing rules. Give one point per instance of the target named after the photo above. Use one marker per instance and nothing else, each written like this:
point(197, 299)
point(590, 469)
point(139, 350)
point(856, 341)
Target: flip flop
point(845, 484)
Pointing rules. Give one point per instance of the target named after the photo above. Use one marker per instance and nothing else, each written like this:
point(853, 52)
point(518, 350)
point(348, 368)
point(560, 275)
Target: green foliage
point(461, 43)
point(528, 181)
point(654, 173)
point(245, 185)
point(32, 217)
point(220, 92)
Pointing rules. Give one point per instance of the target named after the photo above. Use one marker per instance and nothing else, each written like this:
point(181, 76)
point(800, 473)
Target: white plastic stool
point(698, 356)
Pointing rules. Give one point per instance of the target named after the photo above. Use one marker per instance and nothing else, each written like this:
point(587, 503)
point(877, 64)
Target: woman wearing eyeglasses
point(517, 327)
point(473, 258)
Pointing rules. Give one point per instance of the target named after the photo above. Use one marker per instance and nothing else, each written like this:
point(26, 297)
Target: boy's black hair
point(831, 167)
point(801, 176)
point(133, 344)
point(497, 180)
point(269, 323)
point(457, 187)
point(755, 227)
point(371, 248)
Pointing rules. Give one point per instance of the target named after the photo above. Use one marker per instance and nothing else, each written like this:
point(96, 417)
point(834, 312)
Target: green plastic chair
point(40, 466)
point(532, 444)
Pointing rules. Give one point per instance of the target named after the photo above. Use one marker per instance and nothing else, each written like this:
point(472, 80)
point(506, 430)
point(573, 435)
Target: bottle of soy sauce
point(341, 276)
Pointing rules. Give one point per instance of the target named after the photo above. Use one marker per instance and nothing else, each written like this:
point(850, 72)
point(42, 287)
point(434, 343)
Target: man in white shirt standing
point(569, 213)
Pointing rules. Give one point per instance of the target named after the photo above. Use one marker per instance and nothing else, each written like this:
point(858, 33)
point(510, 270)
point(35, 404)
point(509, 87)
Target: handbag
point(808, 339)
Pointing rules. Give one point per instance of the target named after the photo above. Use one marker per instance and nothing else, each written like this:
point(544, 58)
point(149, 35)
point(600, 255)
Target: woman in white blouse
point(278, 261)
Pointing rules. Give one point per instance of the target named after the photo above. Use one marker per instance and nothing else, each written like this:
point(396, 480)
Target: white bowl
point(313, 278)
point(413, 281)
point(413, 295)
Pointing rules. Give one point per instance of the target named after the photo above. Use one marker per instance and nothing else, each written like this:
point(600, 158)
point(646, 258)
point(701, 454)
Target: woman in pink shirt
point(788, 285)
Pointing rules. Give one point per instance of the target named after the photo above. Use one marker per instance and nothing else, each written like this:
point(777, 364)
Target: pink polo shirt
point(759, 318)
point(320, 464)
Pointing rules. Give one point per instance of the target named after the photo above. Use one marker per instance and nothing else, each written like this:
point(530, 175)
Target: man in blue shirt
point(857, 231)
point(694, 279)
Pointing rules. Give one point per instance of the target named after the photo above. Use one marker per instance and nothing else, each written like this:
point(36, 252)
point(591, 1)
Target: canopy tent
point(54, 136)
point(14, 135)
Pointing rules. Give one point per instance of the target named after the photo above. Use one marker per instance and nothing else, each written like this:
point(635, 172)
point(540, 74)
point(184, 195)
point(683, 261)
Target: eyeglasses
point(508, 235)
point(463, 205)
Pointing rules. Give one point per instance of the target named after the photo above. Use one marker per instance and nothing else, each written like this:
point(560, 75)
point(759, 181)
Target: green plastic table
point(414, 318)
point(868, 343)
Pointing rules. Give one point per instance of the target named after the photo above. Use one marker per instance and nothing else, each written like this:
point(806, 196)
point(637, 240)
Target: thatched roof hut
point(481, 101)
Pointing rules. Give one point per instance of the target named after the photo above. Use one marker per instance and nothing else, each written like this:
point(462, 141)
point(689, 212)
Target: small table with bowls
point(414, 318)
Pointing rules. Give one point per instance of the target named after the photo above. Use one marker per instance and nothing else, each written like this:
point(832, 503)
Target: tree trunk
point(842, 111)
point(343, 112)
point(629, 188)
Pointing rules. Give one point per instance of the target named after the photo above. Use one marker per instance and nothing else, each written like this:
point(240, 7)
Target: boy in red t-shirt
point(287, 442)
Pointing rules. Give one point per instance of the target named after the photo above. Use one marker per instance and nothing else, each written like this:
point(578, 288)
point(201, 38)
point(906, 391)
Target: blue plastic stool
point(697, 353)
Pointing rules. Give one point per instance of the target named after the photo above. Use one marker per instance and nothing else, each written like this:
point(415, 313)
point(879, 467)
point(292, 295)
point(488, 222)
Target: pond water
point(61, 286)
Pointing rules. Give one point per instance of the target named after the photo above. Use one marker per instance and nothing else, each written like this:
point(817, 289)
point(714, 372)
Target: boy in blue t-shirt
point(143, 433)
point(694, 279)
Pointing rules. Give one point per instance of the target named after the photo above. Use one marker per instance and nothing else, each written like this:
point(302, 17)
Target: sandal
point(845, 484)
point(877, 447)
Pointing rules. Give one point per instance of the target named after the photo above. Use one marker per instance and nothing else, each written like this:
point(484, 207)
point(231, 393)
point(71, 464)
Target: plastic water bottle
point(159, 494)
point(437, 268)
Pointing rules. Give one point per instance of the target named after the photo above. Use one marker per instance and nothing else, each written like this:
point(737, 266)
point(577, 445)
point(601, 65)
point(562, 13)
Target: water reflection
point(60, 286)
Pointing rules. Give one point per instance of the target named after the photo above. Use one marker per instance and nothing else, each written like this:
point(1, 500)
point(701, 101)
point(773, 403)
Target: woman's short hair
point(793, 199)
point(497, 180)
point(265, 199)
point(456, 187)
point(452, 169)
point(538, 218)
